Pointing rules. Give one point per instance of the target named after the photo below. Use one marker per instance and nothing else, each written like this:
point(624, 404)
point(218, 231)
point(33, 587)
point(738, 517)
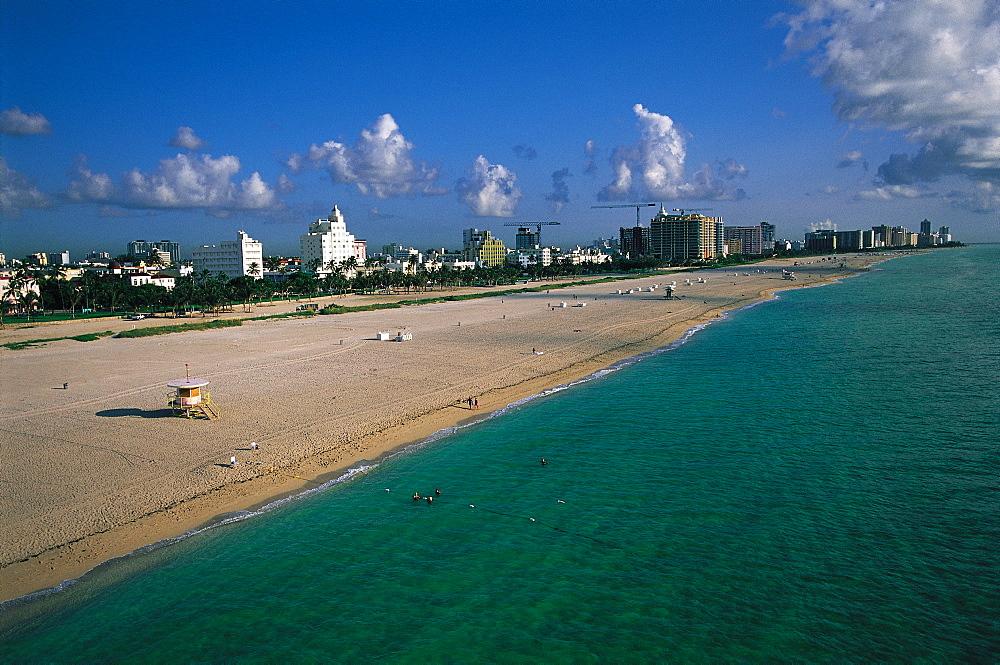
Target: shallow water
point(812, 479)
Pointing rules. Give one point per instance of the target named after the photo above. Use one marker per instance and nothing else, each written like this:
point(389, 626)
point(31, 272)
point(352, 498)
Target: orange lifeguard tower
point(188, 398)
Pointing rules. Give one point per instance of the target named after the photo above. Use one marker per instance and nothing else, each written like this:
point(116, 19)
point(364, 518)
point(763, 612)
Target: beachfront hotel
point(329, 242)
point(483, 248)
point(233, 258)
point(685, 237)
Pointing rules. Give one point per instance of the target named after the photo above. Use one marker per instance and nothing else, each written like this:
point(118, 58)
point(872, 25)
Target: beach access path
point(101, 467)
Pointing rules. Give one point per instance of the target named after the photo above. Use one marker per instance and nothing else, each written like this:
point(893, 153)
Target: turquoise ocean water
point(812, 479)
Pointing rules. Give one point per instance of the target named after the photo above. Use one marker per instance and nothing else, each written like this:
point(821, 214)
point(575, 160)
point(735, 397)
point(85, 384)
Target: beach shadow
point(141, 413)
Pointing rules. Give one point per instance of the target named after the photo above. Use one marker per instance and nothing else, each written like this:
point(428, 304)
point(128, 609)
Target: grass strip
point(286, 315)
point(29, 343)
point(181, 327)
point(339, 309)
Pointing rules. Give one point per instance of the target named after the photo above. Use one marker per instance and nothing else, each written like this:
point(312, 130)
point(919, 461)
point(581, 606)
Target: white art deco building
point(329, 241)
point(232, 258)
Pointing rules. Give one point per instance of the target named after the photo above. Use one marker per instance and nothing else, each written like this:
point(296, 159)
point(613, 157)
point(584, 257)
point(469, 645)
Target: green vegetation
point(334, 308)
point(286, 315)
point(28, 343)
point(182, 327)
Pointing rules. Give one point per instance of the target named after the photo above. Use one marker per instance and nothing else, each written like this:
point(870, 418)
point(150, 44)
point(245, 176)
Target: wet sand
point(102, 467)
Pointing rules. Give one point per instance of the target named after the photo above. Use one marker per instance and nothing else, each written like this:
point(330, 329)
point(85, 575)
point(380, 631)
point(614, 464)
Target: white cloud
point(930, 68)
point(589, 151)
point(851, 158)
point(379, 163)
point(89, 186)
point(15, 122)
point(489, 191)
point(185, 138)
point(285, 184)
point(890, 192)
point(17, 193)
point(181, 182)
point(658, 159)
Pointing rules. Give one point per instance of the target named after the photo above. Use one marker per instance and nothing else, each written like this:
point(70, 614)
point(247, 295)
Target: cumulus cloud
point(185, 138)
point(658, 159)
point(181, 182)
point(730, 169)
point(525, 151)
point(489, 190)
point(850, 159)
point(285, 184)
point(88, 186)
point(590, 152)
point(17, 192)
point(929, 68)
point(379, 163)
point(825, 225)
point(890, 192)
point(560, 190)
point(15, 122)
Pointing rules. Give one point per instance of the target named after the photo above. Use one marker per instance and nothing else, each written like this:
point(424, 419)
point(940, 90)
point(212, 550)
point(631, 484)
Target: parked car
point(136, 317)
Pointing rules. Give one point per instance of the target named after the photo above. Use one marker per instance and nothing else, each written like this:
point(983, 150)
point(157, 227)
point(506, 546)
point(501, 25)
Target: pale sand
point(99, 469)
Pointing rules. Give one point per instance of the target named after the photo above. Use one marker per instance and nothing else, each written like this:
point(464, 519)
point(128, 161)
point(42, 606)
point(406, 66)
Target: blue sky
point(189, 121)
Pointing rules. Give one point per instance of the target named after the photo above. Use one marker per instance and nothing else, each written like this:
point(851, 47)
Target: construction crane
point(629, 205)
point(685, 210)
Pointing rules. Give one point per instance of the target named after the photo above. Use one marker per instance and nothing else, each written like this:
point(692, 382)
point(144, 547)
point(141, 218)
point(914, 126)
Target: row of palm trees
point(34, 289)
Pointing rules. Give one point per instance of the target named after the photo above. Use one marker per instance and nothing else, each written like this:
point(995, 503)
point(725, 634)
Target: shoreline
point(69, 560)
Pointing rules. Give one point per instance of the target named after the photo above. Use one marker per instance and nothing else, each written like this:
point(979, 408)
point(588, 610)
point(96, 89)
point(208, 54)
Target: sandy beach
point(100, 468)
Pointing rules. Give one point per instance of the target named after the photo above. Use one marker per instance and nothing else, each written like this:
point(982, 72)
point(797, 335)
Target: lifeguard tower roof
point(188, 383)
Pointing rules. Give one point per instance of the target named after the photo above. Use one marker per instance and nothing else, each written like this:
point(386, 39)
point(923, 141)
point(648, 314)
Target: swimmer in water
point(544, 461)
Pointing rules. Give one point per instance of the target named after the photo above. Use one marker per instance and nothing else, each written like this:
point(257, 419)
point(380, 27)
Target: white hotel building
point(329, 241)
point(233, 258)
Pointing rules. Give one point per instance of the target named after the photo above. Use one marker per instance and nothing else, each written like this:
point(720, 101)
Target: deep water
point(813, 479)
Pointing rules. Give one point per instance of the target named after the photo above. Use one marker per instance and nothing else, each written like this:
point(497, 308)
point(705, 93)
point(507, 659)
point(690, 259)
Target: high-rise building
point(329, 242)
point(483, 248)
point(634, 242)
point(234, 258)
point(142, 248)
point(751, 238)
point(766, 238)
point(527, 239)
point(685, 237)
point(925, 227)
point(824, 240)
point(58, 258)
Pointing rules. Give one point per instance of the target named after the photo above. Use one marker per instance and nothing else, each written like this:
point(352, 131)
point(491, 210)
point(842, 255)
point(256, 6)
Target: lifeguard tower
point(189, 399)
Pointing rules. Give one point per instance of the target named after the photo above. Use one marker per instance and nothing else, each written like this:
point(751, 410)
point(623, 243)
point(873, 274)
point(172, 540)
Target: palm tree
point(28, 300)
point(254, 270)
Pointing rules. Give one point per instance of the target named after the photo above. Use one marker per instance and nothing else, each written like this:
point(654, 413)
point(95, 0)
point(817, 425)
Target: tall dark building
point(527, 239)
point(634, 242)
point(925, 227)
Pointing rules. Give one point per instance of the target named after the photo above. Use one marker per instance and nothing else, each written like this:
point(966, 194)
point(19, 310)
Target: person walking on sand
point(475, 403)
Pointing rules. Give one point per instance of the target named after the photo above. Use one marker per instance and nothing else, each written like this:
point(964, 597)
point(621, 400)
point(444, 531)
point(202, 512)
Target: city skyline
point(190, 122)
